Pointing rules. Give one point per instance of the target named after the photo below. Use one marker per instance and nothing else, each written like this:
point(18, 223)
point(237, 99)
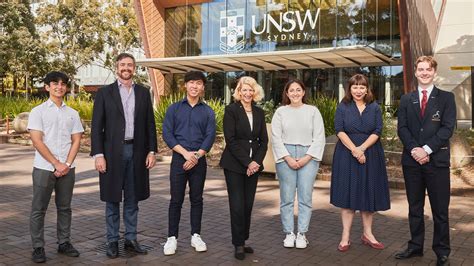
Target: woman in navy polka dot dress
point(359, 177)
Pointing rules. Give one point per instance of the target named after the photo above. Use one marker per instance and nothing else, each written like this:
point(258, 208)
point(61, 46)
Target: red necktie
point(424, 100)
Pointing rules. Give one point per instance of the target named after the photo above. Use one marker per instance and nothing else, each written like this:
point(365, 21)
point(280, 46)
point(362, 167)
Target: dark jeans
point(130, 204)
point(44, 182)
point(241, 190)
point(436, 180)
point(196, 177)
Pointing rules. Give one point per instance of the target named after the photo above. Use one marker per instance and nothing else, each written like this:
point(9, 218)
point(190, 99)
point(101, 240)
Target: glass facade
point(248, 26)
point(245, 26)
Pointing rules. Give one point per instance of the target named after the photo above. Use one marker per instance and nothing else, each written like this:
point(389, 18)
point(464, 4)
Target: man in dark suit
point(426, 120)
point(124, 143)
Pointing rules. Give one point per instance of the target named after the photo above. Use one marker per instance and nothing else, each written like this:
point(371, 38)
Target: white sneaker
point(170, 246)
point(197, 243)
point(301, 241)
point(289, 241)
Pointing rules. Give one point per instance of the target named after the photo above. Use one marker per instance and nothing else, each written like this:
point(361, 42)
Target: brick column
point(151, 20)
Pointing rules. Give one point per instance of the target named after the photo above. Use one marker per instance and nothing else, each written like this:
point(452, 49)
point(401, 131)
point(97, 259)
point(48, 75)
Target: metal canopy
point(349, 56)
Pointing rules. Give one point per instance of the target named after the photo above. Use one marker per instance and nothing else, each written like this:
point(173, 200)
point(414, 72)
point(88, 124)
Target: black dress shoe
point(38, 255)
point(112, 250)
point(239, 252)
point(67, 249)
point(408, 253)
point(248, 249)
point(442, 261)
point(132, 245)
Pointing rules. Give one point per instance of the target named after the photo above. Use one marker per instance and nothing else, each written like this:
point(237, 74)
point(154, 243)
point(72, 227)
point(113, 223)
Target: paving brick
point(88, 224)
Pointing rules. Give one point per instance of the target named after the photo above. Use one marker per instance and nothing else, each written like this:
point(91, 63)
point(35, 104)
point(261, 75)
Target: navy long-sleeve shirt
point(193, 128)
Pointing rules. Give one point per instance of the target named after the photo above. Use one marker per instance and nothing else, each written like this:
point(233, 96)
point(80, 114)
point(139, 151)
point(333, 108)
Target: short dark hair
point(194, 75)
point(124, 55)
point(285, 100)
point(358, 79)
point(55, 76)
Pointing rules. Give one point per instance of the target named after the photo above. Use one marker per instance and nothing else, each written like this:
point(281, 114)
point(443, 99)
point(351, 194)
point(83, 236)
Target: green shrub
point(83, 104)
point(389, 130)
point(269, 108)
point(327, 107)
point(162, 106)
point(219, 109)
point(12, 106)
point(389, 137)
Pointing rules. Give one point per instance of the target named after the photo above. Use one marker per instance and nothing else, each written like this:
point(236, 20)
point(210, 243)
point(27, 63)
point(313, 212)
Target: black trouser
point(178, 180)
point(436, 180)
point(241, 190)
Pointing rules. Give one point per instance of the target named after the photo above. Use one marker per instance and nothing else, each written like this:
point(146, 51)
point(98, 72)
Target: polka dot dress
point(358, 186)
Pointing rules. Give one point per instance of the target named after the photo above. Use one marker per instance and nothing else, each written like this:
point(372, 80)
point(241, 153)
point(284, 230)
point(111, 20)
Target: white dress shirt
point(420, 95)
point(428, 93)
point(57, 125)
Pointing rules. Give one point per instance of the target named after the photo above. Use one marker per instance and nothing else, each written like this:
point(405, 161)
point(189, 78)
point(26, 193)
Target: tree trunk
point(15, 85)
point(73, 93)
point(27, 89)
point(2, 83)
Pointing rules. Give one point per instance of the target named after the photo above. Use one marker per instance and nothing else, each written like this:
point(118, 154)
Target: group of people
point(124, 143)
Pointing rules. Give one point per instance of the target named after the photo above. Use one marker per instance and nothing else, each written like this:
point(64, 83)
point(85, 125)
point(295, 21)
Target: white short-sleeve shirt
point(57, 125)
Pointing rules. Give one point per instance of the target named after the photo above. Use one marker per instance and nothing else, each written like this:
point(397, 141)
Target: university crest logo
point(232, 30)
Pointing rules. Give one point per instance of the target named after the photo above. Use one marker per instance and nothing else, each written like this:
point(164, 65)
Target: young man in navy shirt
point(189, 130)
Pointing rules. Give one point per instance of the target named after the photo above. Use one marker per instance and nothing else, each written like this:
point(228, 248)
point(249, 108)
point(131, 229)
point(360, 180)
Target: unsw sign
point(290, 25)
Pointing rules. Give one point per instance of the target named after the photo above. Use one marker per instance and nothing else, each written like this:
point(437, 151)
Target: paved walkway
point(88, 228)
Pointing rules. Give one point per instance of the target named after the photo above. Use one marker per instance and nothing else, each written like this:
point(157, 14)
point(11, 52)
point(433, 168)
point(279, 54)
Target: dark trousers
point(241, 190)
point(436, 180)
point(130, 204)
point(44, 182)
point(196, 177)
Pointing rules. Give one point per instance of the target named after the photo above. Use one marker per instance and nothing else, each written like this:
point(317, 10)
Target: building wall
point(150, 17)
point(431, 27)
point(454, 47)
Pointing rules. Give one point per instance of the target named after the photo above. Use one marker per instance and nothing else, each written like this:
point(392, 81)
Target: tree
point(73, 31)
point(79, 32)
point(122, 34)
point(122, 31)
point(22, 55)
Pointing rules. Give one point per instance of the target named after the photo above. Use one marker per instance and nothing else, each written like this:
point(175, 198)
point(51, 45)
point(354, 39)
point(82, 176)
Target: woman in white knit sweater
point(298, 143)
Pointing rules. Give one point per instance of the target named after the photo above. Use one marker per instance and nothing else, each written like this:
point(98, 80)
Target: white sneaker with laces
point(289, 241)
point(198, 244)
point(301, 241)
point(170, 246)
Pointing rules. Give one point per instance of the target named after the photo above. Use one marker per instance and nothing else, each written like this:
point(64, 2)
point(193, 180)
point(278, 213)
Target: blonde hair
point(258, 90)
point(428, 59)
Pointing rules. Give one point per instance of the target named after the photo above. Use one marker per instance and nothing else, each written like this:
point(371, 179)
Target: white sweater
point(301, 125)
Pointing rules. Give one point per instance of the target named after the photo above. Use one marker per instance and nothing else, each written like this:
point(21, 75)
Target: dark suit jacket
point(239, 138)
point(433, 129)
point(108, 134)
